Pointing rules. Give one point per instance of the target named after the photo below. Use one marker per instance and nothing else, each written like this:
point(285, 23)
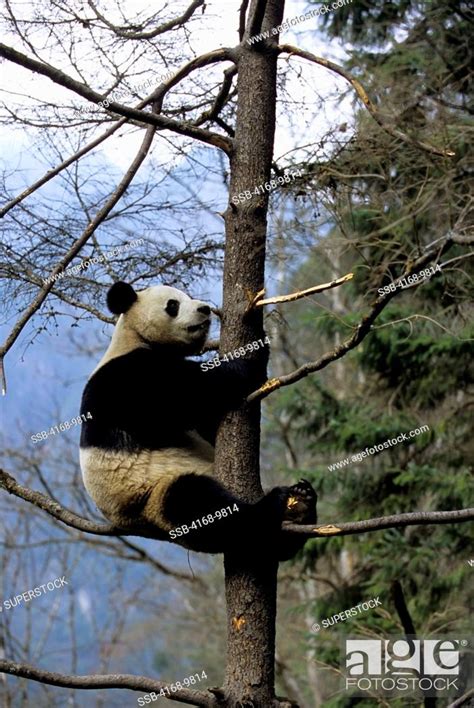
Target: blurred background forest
point(366, 203)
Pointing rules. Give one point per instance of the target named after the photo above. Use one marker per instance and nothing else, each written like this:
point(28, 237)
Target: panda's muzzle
point(203, 327)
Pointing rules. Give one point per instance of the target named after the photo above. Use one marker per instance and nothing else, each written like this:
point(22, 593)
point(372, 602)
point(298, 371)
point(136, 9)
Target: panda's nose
point(205, 310)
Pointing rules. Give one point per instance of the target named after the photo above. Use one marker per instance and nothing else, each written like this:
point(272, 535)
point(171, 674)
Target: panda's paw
point(301, 503)
point(274, 503)
point(276, 499)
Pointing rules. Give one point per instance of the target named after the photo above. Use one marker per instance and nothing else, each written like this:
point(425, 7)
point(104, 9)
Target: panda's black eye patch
point(172, 308)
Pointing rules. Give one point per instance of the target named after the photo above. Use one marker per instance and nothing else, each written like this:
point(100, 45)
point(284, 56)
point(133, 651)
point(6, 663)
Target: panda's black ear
point(120, 297)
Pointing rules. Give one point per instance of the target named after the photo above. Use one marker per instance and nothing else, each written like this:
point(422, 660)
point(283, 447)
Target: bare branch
point(71, 519)
point(76, 247)
point(10, 485)
point(159, 121)
point(257, 302)
point(462, 700)
point(361, 92)
point(156, 97)
point(161, 29)
point(255, 24)
point(200, 61)
point(220, 100)
point(395, 521)
point(59, 168)
point(242, 14)
point(96, 681)
point(360, 332)
point(74, 521)
point(402, 609)
point(462, 257)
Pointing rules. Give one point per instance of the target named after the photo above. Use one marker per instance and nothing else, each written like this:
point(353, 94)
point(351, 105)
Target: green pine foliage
point(415, 367)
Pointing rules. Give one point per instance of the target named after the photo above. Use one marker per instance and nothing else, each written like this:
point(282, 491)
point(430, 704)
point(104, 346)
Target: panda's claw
point(301, 504)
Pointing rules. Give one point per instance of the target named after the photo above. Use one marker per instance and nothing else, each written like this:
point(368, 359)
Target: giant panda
point(150, 419)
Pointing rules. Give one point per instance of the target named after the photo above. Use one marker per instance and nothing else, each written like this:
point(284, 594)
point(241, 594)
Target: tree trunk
point(250, 589)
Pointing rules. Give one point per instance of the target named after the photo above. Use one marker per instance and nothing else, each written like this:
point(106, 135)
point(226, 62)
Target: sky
point(216, 28)
point(45, 360)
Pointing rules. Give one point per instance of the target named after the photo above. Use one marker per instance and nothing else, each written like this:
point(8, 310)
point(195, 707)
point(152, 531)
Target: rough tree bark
point(250, 589)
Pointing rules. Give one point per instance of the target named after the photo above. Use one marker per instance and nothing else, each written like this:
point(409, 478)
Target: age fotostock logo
point(402, 666)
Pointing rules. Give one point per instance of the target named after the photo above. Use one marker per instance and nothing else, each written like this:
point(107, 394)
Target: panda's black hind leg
point(253, 529)
point(192, 497)
point(249, 529)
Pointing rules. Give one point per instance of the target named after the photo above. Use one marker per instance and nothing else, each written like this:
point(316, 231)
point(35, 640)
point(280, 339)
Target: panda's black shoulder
point(146, 360)
point(141, 371)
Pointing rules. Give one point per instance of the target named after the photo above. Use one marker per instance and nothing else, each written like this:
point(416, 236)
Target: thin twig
point(291, 297)
point(76, 247)
point(150, 118)
point(161, 29)
point(59, 168)
point(462, 700)
point(360, 332)
point(362, 93)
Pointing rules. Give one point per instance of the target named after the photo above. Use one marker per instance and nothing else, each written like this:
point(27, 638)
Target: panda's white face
point(164, 315)
point(161, 315)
